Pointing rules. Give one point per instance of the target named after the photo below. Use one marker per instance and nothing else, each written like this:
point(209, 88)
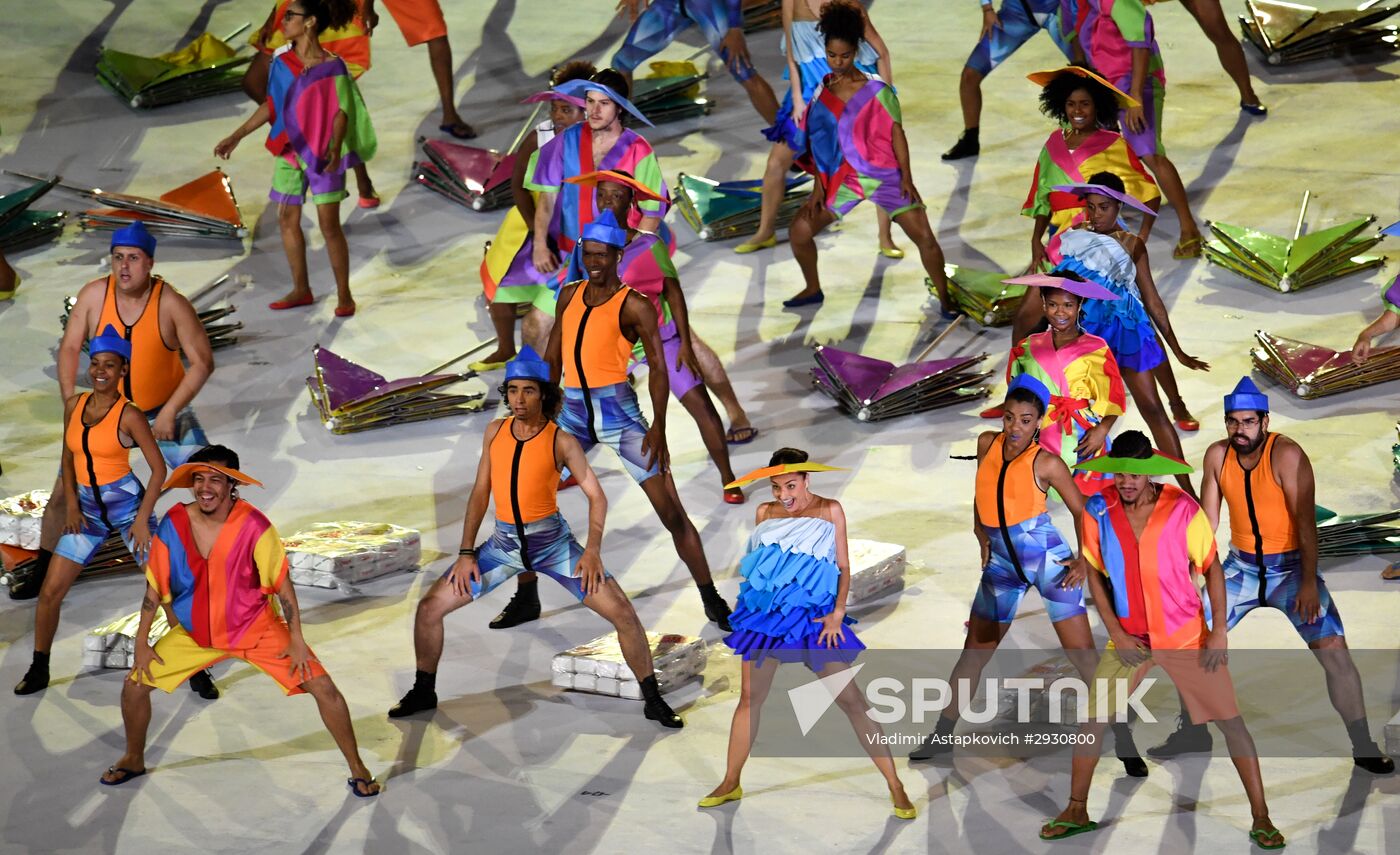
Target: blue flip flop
point(126, 775)
point(355, 783)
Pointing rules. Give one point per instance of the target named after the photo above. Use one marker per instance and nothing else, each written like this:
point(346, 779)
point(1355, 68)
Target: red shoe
point(734, 496)
point(1188, 424)
point(345, 311)
point(279, 305)
point(369, 202)
point(992, 412)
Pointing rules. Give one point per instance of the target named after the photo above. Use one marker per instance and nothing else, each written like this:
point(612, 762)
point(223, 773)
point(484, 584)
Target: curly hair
point(1055, 93)
point(577, 69)
point(784, 456)
point(1132, 444)
point(330, 14)
point(551, 399)
point(844, 20)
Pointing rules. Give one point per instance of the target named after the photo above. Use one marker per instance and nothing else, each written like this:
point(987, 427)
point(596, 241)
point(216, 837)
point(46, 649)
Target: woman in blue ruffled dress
point(1097, 250)
point(792, 608)
point(806, 68)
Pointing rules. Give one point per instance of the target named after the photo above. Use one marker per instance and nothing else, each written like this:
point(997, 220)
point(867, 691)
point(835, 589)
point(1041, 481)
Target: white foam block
point(114, 645)
point(20, 518)
point(341, 554)
point(875, 567)
point(599, 667)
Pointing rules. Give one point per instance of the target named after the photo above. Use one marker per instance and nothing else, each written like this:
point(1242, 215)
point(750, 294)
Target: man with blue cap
point(165, 333)
point(598, 322)
point(1022, 550)
point(101, 494)
point(520, 460)
point(600, 142)
point(1266, 480)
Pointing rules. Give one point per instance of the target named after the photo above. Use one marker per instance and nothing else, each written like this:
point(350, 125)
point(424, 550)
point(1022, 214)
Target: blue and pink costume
point(850, 149)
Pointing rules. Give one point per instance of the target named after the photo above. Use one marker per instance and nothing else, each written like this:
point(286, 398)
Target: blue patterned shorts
point(611, 416)
point(1246, 589)
point(1020, 21)
point(663, 20)
point(120, 500)
point(550, 549)
point(1040, 548)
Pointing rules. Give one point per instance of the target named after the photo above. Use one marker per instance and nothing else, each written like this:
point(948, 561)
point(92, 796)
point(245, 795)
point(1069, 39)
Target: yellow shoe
point(904, 813)
point(715, 801)
point(5, 295)
point(892, 252)
point(479, 367)
point(746, 248)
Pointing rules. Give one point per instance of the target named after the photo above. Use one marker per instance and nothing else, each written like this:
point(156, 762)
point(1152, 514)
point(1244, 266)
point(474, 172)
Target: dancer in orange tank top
point(600, 319)
point(1266, 480)
point(101, 494)
point(520, 461)
point(1022, 549)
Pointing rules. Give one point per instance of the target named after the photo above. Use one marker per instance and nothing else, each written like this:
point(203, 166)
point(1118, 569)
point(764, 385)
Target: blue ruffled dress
point(1124, 322)
point(790, 580)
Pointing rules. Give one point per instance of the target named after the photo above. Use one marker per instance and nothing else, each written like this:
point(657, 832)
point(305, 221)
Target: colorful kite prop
point(981, 295)
point(202, 208)
point(1340, 535)
point(671, 92)
point(1286, 33)
point(21, 227)
point(721, 210)
point(1285, 264)
point(352, 398)
point(206, 66)
point(1313, 371)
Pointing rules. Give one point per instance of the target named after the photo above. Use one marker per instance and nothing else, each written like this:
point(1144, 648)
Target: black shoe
point(202, 684)
point(27, 578)
point(35, 680)
point(1373, 761)
point(718, 611)
point(660, 712)
point(416, 701)
point(931, 748)
point(967, 145)
point(1127, 751)
point(1186, 739)
point(523, 607)
point(1135, 767)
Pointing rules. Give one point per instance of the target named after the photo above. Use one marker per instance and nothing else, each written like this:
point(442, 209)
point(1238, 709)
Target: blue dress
point(1124, 322)
point(790, 580)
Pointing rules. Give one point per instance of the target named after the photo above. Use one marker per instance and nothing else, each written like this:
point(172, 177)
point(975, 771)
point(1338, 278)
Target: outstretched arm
point(1157, 310)
point(883, 64)
point(1389, 321)
point(259, 118)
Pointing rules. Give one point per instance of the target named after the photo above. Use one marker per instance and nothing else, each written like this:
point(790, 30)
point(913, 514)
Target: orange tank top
point(155, 369)
point(524, 474)
point(1260, 523)
point(1007, 493)
point(596, 353)
point(98, 454)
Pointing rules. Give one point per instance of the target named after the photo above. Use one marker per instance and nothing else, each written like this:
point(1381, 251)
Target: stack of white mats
point(341, 554)
point(598, 666)
point(20, 517)
point(875, 567)
point(114, 645)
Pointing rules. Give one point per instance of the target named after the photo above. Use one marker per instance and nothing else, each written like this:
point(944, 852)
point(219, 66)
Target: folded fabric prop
point(206, 66)
point(352, 398)
point(476, 178)
point(762, 14)
point(981, 295)
point(114, 645)
point(1293, 264)
point(20, 519)
point(342, 554)
point(1286, 32)
point(873, 389)
point(598, 666)
point(1340, 535)
point(671, 92)
point(876, 567)
point(202, 208)
point(22, 228)
point(721, 210)
point(1312, 371)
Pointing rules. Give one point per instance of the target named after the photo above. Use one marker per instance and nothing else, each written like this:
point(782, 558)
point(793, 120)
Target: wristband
point(462, 552)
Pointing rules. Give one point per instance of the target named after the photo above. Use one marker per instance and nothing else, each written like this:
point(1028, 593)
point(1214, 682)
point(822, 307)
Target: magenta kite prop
point(351, 398)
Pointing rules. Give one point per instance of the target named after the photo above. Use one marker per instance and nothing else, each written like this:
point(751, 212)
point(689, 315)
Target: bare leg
point(503, 322)
point(1170, 180)
point(8, 276)
point(661, 490)
point(1166, 378)
point(802, 236)
point(882, 222)
point(1343, 680)
point(339, 253)
point(51, 526)
point(852, 703)
point(535, 329)
point(440, 58)
point(60, 578)
point(717, 381)
point(970, 96)
point(697, 402)
point(294, 244)
point(1246, 760)
point(983, 638)
point(363, 185)
point(612, 605)
point(753, 690)
point(780, 159)
point(915, 224)
point(1078, 643)
point(136, 719)
point(1144, 391)
point(762, 97)
point(1212, 21)
point(438, 603)
point(1086, 757)
point(336, 716)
